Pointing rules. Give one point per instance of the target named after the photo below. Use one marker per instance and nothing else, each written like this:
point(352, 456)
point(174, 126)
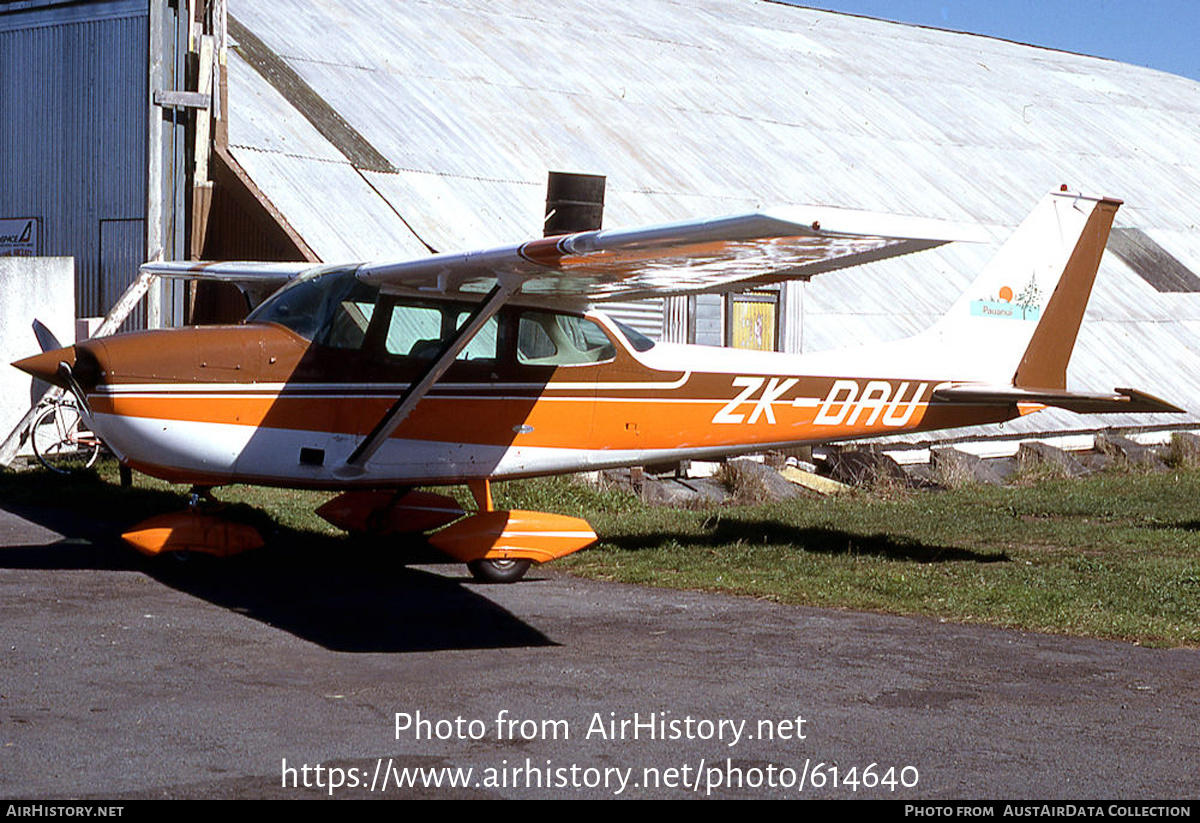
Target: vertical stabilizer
point(1017, 322)
point(1044, 365)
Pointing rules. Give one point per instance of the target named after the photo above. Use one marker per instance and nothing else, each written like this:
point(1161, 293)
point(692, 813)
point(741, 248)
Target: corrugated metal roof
point(711, 106)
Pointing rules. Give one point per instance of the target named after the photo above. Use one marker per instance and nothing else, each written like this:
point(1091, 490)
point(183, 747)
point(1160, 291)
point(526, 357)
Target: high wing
point(720, 254)
point(256, 280)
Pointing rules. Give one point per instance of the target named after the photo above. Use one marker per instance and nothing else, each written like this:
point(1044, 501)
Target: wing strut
point(417, 390)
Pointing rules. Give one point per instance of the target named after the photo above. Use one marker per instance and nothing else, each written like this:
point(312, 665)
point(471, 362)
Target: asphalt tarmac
point(293, 674)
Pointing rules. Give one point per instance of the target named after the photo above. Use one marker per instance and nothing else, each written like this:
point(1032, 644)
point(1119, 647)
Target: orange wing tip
point(381, 512)
point(514, 535)
point(189, 531)
point(1030, 408)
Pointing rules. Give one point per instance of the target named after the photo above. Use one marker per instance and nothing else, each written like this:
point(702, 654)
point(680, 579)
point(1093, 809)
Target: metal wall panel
point(121, 243)
point(645, 316)
point(72, 131)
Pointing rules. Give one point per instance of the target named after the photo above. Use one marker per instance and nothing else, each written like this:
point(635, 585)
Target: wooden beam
point(174, 99)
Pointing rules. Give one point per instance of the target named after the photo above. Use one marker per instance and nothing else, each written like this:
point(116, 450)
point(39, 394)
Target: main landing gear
point(497, 546)
point(500, 546)
point(498, 571)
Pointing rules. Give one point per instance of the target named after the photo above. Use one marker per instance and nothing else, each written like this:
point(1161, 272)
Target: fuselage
point(259, 404)
point(285, 398)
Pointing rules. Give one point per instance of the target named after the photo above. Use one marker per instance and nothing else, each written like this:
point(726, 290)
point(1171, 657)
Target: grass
point(1115, 555)
point(1112, 556)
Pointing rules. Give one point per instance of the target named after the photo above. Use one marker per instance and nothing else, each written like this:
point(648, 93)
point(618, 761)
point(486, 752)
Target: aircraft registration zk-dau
point(469, 367)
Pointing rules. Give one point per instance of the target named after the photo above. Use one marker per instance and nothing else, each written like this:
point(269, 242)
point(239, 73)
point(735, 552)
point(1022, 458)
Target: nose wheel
point(498, 570)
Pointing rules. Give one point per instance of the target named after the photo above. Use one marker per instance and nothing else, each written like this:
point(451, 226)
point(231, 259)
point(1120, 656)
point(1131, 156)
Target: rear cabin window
point(546, 339)
point(484, 345)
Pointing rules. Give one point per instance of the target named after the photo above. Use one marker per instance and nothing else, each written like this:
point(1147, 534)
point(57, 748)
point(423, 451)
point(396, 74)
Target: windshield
point(329, 307)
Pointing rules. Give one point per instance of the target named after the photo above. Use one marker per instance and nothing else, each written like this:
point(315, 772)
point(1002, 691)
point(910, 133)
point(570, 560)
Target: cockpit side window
point(414, 330)
point(420, 330)
point(349, 326)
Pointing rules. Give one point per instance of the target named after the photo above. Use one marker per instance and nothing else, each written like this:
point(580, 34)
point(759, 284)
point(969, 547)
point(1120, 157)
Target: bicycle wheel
point(61, 441)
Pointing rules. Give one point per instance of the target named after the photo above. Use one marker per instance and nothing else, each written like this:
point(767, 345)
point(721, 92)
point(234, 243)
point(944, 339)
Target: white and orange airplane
point(374, 379)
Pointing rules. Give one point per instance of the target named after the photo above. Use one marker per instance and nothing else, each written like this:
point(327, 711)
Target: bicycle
point(61, 439)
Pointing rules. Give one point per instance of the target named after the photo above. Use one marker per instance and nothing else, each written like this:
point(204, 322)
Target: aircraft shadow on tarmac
point(815, 539)
point(341, 593)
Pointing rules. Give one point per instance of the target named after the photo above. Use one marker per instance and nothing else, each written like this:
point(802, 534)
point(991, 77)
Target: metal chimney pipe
point(574, 202)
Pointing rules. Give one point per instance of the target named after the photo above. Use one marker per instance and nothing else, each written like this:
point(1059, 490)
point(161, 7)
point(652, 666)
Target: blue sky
point(1161, 34)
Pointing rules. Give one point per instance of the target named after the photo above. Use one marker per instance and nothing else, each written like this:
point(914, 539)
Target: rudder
point(1044, 364)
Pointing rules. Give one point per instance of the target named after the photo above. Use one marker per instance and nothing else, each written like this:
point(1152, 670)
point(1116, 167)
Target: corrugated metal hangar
point(282, 129)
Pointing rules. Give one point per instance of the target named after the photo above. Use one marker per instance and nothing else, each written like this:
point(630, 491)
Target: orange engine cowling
point(514, 535)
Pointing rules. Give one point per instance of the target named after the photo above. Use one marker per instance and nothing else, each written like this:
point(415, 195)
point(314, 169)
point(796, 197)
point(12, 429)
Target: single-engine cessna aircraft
point(374, 379)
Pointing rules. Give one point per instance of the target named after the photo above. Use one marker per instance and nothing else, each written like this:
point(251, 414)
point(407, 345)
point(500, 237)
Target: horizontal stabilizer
point(1120, 400)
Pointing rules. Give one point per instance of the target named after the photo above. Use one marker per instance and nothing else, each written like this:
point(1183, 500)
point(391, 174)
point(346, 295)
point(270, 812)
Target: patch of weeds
point(562, 493)
point(1117, 461)
point(1183, 452)
point(1035, 472)
point(744, 481)
point(882, 482)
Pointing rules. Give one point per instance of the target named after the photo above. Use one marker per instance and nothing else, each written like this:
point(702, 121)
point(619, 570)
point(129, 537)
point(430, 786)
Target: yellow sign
point(753, 325)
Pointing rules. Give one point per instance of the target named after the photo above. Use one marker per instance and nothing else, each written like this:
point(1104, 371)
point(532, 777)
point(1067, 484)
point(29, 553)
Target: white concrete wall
point(41, 288)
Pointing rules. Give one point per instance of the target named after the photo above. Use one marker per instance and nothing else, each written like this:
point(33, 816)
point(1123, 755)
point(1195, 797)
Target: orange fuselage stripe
point(548, 422)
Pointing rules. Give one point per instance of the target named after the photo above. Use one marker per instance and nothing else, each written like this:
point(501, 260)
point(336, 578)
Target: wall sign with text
point(19, 237)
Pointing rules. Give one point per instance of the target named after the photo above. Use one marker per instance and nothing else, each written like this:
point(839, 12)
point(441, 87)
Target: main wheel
point(61, 442)
point(498, 571)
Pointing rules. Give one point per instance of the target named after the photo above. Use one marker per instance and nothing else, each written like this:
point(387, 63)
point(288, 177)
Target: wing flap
point(255, 280)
